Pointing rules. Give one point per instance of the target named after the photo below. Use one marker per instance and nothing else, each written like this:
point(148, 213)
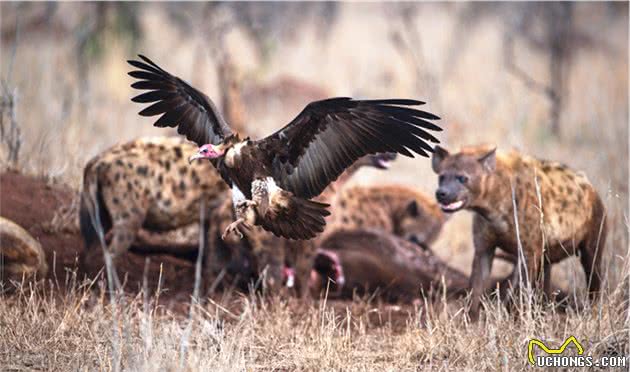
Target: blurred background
point(550, 79)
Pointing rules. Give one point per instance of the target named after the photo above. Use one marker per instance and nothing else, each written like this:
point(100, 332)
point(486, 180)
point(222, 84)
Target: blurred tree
point(406, 37)
point(548, 28)
point(10, 131)
point(555, 40)
point(210, 23)
point(102, 20)
point(559, 31)
point(271, 22)
point(230, 87)
point(468, 16)
point(267, 23)
point(32, 17)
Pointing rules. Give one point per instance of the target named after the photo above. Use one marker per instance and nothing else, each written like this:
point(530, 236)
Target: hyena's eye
point(441, 178)
point(462, 179)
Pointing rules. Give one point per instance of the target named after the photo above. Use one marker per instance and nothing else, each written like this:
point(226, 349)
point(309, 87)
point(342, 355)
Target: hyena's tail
point(94, 219)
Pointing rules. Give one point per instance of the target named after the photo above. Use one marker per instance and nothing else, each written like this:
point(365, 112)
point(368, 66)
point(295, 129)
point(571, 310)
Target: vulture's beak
point(194, 157)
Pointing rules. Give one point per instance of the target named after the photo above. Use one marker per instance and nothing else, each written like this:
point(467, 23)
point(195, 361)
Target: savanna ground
point(64, 67)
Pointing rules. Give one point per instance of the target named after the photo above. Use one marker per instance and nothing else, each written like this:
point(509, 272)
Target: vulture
point(273, 179)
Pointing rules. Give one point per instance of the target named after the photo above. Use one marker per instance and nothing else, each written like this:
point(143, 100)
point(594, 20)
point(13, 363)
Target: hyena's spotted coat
point(147, 184)
point(402, 211)
point(542, 206)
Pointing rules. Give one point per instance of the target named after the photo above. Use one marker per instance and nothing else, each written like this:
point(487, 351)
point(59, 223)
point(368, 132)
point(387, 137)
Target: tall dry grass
point(68, 114)
point(81, 331)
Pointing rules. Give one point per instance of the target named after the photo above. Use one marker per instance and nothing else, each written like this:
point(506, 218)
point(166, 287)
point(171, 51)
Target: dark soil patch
point(32, 203)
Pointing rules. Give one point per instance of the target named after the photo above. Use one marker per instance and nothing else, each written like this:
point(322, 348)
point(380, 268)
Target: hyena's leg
point(123, 234)
point(530, 271)
point(482, 265)
point(127, 218)
point(527, 269)
point(547, 279)
point(592, 249)
point(304, 260)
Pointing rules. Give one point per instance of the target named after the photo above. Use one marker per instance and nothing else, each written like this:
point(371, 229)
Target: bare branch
point(514, 69)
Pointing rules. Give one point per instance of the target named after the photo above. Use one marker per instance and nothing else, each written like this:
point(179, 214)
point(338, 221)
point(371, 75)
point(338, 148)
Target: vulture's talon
point(234, 228)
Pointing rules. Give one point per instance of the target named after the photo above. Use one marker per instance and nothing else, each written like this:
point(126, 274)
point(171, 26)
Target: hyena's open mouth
point(383, 160)
point(453, 207)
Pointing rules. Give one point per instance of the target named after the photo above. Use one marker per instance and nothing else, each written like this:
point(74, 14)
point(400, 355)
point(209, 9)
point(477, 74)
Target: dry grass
point(66, 119)
point(83, 331)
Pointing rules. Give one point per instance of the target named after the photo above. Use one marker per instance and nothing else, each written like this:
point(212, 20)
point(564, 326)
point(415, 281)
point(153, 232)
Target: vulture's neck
point(234, 154)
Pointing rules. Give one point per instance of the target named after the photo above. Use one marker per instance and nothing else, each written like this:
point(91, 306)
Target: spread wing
point(328, 136)
point(180, 105)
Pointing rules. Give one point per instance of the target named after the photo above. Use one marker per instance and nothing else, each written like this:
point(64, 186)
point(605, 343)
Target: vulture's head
point(208, 151)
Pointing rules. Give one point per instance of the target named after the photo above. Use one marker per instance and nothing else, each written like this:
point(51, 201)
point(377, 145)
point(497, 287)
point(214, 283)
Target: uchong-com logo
point(556, 357)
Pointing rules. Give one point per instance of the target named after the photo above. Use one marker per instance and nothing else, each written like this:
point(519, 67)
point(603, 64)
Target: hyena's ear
point(489, 160)
point(412, 208)
point(439, 154)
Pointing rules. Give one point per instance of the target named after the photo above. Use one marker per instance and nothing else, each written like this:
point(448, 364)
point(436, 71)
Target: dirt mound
point(36, 205)
point(31, 202)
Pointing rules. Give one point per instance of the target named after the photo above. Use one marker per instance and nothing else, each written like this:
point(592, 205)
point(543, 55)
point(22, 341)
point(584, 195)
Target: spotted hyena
point(395, 212)
point(145, 184)
point(399, 210)
point(558, 211)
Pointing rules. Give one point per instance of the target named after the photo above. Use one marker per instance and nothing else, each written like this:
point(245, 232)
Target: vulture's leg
point(261, 189)
point(245, 216)
point(245, 211)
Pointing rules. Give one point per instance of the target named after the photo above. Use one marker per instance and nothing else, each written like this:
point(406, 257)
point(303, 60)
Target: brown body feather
point(293, 217)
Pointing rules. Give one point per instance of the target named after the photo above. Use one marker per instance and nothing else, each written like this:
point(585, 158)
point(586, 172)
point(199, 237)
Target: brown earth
point(40, 207)
point(36, 204)
point(33, 202)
